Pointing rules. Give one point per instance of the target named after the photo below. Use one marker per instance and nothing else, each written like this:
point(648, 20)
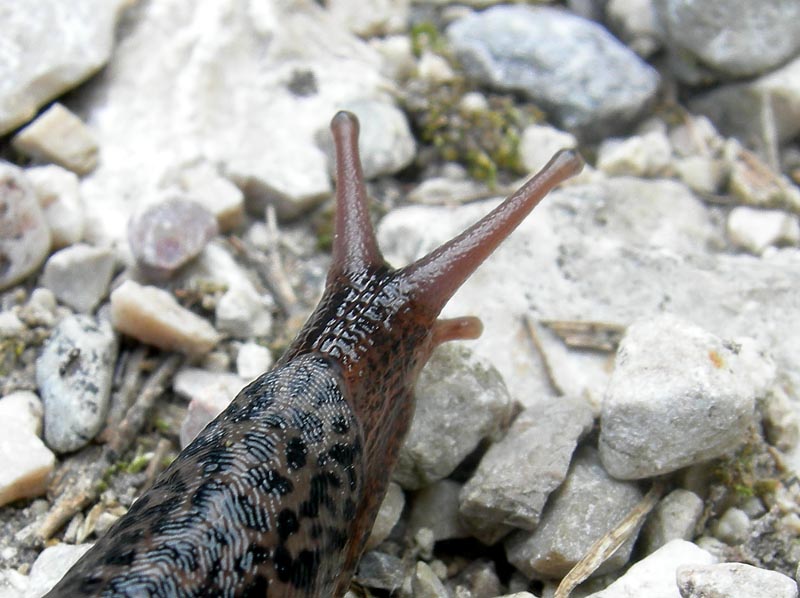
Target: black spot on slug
point(287, 523)
point(296, 451)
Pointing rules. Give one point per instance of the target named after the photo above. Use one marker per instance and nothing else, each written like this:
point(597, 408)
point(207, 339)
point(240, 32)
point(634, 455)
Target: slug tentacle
point(277, 496)
point(354, 244)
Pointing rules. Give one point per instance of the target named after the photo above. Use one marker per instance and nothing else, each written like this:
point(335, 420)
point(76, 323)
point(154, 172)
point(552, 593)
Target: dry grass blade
point(598, 336)
point(610, 542)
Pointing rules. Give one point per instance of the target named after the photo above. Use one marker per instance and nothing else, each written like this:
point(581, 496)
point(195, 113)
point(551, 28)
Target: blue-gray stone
point(574, 68)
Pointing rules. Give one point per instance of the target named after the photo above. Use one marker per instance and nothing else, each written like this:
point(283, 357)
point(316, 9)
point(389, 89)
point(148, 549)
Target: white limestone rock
point(209, 393)
point(25, 462)
point(733, 580)
point(24, 235)
point(252, 360)
point(79, 275)
point(646, 155)
point(755, 230)
point(59, 136)
point(678, 395)
point(153, 316)
point(58, 191)
point(540, 142)
point(50, 47)
point(654, 575)
point(245, 86)
point(51, 565)
point(388, 515)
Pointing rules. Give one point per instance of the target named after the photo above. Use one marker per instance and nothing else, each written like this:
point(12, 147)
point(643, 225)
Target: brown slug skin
point(278, 494)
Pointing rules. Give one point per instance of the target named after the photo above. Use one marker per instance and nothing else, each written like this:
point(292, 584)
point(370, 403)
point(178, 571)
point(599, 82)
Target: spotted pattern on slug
point(233, 515)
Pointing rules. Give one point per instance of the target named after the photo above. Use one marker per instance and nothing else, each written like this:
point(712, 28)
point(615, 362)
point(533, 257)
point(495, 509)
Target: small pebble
point(51, 565)
point(388, 515)
point(755, 230)
point(153, 316)
point(59, 136)
point(58, 191)
point(654, 575)
point(645, 155)
point(24, 234)
point(426, 584)
point(79, 275)
point(10, 324)
point(242, 313)
point(252, 360)
point(674, 518)
point(203, 184)
point(733, 580)
point(380, 571)
point(209, 393)
point(436, 507)
point(168, 234)
point(733, 527)
point(74, 374)
point(25, 462)
point(540, 142)
point(385, 139)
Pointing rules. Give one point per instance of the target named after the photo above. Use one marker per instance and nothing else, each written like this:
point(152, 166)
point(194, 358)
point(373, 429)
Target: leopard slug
point(277, 495)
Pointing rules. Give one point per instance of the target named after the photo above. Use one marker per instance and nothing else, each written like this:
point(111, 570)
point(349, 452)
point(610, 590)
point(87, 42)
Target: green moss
point(751, 471)
point(138, 464)
point(425, 36)
point(162, 425)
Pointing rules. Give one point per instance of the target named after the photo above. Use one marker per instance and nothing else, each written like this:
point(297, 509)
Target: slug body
point(277, 495)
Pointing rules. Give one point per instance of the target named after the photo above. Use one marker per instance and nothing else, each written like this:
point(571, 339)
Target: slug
point(278, 494)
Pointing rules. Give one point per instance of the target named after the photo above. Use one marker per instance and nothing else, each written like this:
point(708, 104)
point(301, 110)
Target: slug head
point(380, 324)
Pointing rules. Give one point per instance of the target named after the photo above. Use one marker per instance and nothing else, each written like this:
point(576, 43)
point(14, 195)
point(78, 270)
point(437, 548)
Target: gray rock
point(79, 275)
point(572, 67)
point(188, 92)
point(50, 47)
point(587, 505)
point(733, 580)
point(169, 234)
point(380, 571)
point(24, 235)
point(385, 140)
point(678, 395)
point(518, 473)
point(59, 136)
point(654, 575)
point(756, 111)
point(674, 518)
point(242, 312)
point(435, 507)
point(454, 381)
point(736, 38)
point(58, 191)
point(74, 374)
